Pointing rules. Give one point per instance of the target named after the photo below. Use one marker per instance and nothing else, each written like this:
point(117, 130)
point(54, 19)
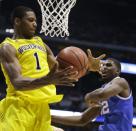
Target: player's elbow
point(102, 95)
point(19, 85)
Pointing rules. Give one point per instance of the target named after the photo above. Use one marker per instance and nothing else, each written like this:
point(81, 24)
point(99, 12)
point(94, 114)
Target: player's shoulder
point(7, 43)
point(121, 81)
point(6, 46)
point(6, 49)
point(7, 40)
point(38, 38)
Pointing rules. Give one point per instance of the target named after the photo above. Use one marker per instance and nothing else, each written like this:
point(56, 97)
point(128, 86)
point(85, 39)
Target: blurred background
point(104, 26)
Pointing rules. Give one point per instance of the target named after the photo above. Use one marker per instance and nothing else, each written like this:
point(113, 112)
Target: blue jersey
point(117, 112)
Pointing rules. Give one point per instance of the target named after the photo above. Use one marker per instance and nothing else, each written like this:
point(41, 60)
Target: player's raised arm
point(81, 120)
point(11, 65)
point(118, 85)
point(51, 58)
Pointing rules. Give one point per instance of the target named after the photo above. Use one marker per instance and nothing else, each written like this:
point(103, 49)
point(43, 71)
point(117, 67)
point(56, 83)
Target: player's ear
point(17, 21)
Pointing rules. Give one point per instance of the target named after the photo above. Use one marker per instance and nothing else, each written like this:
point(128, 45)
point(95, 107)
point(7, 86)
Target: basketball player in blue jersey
point(116, 98)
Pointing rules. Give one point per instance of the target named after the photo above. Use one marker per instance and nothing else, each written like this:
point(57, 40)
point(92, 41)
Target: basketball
point(73, 56)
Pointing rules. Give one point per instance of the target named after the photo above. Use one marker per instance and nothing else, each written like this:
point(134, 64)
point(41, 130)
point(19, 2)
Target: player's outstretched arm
point(118, 85)
point(88, 115)
point(94, 63)
point(13, 69)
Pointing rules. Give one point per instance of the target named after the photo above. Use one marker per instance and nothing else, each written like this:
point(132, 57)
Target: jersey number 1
point(37, 61)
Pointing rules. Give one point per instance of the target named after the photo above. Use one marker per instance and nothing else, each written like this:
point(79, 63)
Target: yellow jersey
point(32, 56)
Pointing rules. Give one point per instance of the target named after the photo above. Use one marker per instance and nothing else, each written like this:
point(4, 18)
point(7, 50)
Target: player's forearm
point(81, 120)
point(30, 83)
point(96, 95)
point(91, 113)
point(68, 120)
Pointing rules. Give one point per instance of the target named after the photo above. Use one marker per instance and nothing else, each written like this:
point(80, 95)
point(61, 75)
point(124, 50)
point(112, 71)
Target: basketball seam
point(63, 60)
point(67, 62)
point(77, 58)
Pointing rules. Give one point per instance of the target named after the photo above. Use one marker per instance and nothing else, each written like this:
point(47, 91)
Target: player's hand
point(65, 76)
point(94, 63)
point(92, 103)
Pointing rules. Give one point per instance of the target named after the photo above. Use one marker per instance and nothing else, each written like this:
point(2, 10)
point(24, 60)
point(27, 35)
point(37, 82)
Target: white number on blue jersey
point(105, 108)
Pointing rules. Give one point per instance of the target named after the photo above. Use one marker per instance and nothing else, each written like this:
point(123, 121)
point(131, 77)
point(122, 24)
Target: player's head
point(24, 21)
point(111, 68)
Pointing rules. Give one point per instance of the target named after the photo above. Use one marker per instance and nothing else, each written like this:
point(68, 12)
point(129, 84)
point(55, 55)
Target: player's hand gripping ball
point(73, 56)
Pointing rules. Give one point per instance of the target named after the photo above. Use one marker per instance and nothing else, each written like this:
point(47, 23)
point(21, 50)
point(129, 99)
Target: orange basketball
point(73, 56)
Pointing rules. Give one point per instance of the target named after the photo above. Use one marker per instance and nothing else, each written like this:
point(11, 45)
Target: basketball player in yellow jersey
point(30, 86)
point(31, 72)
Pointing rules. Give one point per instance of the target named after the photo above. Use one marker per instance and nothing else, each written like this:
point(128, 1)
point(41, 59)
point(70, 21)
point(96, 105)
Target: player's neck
point(110, 79)
point(16, 36)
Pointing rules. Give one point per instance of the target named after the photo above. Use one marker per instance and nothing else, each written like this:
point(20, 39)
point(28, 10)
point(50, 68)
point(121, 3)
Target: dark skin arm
point(51, 58)
point(13, 69)
point(118, 86)
point(88, 115)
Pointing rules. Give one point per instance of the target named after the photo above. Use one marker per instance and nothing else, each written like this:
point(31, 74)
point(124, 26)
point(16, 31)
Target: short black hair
point(19, 12)
point(117, 63)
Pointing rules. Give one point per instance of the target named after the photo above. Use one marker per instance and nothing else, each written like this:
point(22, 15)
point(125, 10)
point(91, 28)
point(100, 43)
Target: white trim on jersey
point(122, 98)
point(125, 98)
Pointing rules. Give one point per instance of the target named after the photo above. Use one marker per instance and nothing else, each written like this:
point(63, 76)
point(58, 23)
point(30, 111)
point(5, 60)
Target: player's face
point(109, 70)
point(28, 25)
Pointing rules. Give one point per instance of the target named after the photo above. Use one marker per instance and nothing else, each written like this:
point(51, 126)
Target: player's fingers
point(67, 69)
point(69, 72)
point(68, 80)
point(54, 68)
point(89, 53)
point(73, 73)
point(101, 56)
point(66, 84)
